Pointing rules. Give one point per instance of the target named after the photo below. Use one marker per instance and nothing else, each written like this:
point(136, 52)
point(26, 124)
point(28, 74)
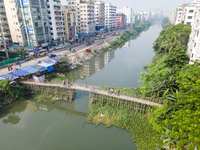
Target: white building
point(110, 15)
point(183, 14)
point(64, 2)
point(55, 20)
point(128, 12)
point(194, 42)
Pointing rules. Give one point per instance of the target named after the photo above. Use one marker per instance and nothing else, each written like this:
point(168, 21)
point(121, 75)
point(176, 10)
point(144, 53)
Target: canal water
point(27, 125)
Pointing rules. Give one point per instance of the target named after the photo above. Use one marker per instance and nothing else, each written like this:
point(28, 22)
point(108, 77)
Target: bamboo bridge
point(93, 90)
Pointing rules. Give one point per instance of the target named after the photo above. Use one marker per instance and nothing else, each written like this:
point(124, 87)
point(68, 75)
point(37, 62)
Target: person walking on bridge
point(64, 83)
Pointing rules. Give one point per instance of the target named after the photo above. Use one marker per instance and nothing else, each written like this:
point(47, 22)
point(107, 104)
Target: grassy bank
point(142, 132)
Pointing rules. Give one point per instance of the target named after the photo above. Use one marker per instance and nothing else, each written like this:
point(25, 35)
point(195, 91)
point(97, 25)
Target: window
point(191, 11)
point(189, 17)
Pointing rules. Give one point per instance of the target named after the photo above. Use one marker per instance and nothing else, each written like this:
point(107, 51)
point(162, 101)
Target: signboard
point(30, 30)
point(25, 2)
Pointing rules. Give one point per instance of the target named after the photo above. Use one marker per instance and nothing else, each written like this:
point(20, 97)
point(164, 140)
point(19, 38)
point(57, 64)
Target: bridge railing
point(105, 91)
point(113, 90)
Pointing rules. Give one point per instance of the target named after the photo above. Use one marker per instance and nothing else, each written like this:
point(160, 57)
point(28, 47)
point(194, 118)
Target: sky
point(166, 5)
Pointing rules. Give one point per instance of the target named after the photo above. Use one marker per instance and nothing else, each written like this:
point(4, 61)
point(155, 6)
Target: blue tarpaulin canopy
point(9, 76)
point(20, 73)
point(30, 69)
point(1, 78)
point(34, 50)
point(49, 66)
point(54, 59)
point(40, 68)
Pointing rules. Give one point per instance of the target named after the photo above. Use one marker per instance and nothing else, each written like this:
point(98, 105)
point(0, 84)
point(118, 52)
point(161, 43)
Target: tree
point(23, 52)
point(172, 37)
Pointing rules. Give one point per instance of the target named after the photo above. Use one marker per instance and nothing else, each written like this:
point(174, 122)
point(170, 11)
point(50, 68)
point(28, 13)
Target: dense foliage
point(128, 34)
point(170, 38)
point(142, 132)
point(13, 91)
point(170, 78)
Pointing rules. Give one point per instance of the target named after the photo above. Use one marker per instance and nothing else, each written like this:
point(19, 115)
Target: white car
point(58, 47)
point(51, 49)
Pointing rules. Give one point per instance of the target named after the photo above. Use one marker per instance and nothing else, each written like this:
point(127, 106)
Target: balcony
point(57, 14)
point(6, 33)
point(2, 9)
point(59, 25)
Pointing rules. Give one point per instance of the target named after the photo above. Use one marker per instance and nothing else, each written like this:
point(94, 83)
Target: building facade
point(55, 21)
point(127, 11)
point(85, 16)
point(70, 21)
point(183, 14)
point(5, 36)
point(194, 41)
point(30, 23)
point(120, 21)
point(99, 15)
point(110, 16)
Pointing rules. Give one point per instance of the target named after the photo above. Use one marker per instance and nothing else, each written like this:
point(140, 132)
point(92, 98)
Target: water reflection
point(32, 106)
point(89, 68)
point(126, 45)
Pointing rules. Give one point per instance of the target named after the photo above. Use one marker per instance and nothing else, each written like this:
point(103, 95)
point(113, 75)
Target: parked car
point(89, 43)
point(51, 49)
point(58, 47)
point(52, 55)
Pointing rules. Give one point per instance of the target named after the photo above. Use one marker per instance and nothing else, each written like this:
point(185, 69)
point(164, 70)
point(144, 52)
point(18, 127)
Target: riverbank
point(142, 132)
point(175, 83)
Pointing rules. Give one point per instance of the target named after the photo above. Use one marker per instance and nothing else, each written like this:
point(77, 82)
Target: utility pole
point(4, 43)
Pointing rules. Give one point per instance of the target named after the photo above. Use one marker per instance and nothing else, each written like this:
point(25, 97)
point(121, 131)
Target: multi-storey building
point(183, 14)
point(120, 21)
point(55, 20)
point(30, 23)
point(5, 36)
point(86, 24)
point(194, 41)
point(70, 21)
point(110, 16)
point(172, 16)
point(99, 15)
point(85, 16)
point(127, 11)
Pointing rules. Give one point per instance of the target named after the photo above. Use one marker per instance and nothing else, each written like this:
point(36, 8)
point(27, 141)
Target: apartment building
point(55, 21)
point(5, 36)
point(70, 21)
point(28, 21)
point(99, 15)
point(194, 41)
point(85, 16)
point(110, 16)
point(127, 11)
point(86, 24)
point(183, 14)
point(120, 21)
